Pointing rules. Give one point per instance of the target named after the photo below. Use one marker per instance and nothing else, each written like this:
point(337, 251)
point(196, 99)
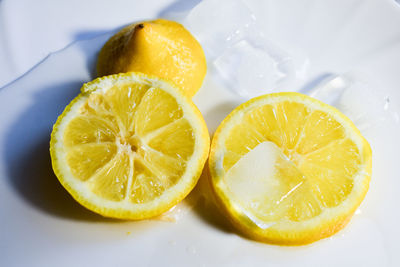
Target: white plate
point(41, 225)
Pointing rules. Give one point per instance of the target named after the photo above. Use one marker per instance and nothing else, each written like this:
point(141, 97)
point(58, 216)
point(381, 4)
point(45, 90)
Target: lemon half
point(129, 146)
point(289, 169)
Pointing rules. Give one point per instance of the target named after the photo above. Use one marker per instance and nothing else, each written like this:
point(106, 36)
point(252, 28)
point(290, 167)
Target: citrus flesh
point(161, 48)
point(129, 146)
point(289, 169)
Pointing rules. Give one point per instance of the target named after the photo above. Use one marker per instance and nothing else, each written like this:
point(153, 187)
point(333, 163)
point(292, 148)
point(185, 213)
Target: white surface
point(42, 226)
point(30, 30)
point(250, 71)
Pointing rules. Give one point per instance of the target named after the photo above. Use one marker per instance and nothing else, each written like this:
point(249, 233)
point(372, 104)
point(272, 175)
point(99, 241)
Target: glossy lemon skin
point(161, 48)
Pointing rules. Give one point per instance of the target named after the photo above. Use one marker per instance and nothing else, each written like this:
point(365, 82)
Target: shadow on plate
point(205, 206)
point(28, 158)
point(217, 114)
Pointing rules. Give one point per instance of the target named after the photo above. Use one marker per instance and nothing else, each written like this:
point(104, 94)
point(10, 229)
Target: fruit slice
point(159, 47)
point(289, 169)
point(129, 146)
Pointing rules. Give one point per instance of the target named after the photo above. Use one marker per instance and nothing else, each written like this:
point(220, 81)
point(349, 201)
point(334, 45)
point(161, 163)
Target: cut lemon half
point(129, 146)
point(289, 169)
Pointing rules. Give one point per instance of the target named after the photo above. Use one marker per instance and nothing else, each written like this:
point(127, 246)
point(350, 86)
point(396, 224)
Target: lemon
point(161, 48)
point(289, 169)
point(129, 146)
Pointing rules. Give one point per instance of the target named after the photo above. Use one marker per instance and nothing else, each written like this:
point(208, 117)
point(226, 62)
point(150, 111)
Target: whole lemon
point(161, 48)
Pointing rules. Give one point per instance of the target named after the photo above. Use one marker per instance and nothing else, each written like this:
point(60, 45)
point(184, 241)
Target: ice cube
point(252, 71)
point(241, 56)
point(330, 89)
point(366, 105)
point(256, 186)
point(218, 24)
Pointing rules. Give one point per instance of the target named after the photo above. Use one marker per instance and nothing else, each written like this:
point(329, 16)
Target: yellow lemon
point(289, 169)
point(161, 48)
point(129, 146)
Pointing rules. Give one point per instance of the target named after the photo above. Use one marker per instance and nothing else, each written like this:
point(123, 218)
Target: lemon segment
point(164, 141)
point(88, 130)
point(288, 169)
point(111, 181)
point(84, 160)
point(158, 109)
point(129, 146)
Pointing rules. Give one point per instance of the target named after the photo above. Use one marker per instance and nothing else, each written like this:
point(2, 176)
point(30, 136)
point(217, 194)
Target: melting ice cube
point(219, 24)
point(241, 56)
point(256, 184)
point(251, 71)
point(366, 105)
